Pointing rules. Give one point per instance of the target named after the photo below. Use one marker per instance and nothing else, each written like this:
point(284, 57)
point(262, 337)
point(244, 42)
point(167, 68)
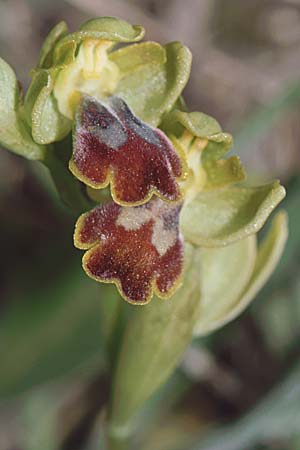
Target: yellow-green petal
point(223, 275)
point(269, 253)
point(64, 54)
point(222, 216)
point(190, 128)
point(221, 172)
point(152, 77)
point(197, 123)
point(14, 133)
point(91, 72)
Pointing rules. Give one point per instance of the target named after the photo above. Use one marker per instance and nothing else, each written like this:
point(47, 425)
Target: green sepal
point(225, 291)
point(138, 56)
point(222, 216)
point(46, 53)
point(111, 29)
point(152, 77)
point(154, 341)
point(102, 28)
point(178, 69)
point(46, 122)
point(14, 132)
point(39, 80)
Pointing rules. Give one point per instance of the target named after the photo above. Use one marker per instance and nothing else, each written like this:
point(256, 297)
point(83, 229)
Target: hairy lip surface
point(138, 248)
point(111, 145)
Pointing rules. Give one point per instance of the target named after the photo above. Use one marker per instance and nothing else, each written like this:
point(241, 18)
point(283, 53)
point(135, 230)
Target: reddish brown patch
point(112, 145)
point(129, 252)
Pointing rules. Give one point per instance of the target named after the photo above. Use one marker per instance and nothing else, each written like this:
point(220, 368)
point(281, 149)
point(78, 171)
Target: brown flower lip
point(111, 145)
point(138, 248)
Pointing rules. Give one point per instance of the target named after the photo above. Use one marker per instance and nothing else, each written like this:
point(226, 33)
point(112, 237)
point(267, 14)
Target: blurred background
point(238, 389)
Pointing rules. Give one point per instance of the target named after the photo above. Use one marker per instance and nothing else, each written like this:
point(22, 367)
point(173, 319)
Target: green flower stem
point(152, 344)
point(68, 187)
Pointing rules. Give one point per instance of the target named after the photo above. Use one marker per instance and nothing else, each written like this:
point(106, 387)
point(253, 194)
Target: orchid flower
point(161, 210)
point(164, 169)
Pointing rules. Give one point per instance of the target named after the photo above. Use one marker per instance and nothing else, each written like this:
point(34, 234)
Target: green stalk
point(153, 342)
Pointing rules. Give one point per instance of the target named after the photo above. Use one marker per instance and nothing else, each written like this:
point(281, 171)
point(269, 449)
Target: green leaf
point(152, 77)
point(47, 124)
point(14, 134)
point(231, 301)
point(222, 216)
point(224, 273)
point(154, 341)
point(59, 31)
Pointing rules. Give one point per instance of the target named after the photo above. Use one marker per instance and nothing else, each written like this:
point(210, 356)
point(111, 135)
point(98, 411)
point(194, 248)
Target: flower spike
point(111, 145)
point(137, 248)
